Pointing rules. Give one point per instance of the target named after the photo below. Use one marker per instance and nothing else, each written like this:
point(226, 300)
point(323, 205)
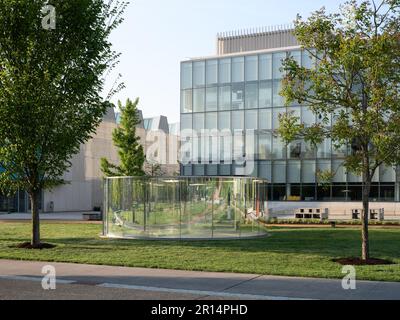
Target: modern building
point(84, 188)
point(236, 93)
point(84, 191)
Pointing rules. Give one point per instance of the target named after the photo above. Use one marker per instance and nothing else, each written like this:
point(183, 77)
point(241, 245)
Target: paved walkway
point(143, 283)
point(58, 216)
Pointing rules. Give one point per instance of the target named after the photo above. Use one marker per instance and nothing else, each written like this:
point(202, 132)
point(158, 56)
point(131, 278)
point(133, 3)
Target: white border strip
point(198, 292)
point(37, 279)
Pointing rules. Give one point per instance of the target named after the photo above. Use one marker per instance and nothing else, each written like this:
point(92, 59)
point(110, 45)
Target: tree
point(152, 168)
point(130, 150)
point(356, 79)
point(51, 74)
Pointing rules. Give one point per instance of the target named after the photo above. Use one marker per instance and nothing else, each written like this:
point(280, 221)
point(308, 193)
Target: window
point(211, 99)
point(238, 148)
point(251, 119)
point(324, 192)
point(238, 69)
point(387, 174)
point(251, 96)
point(251, 68)
point(265, 94)
point(309, 150)
point(295, 190)
point(212, 170)
point(237, 120)
point(308, 61)
point(387, 192)
point(224, 70)
point(324, 165)
point(294, 171)
point(265, 169)
point(198, 142)
point(147, 123)
point(199, 73)
point(237, 96)
point(225, 148)
point(339, 170)
point(308, 172)
point(276, 113)
point(278, 100)
point(265, 119)
point(198, 100)
point(339, 192)
point(324, 149)
point(224, 98)
point(277, 64)
point(339, 151)
point(308, 117)
point(325, 119)
point(224, 120)
point(224, 169)
point(278, 192)
point(264, 145)
point(279, 175)
point(198, 170)
point(186, 121)
point(187, 170)
point(296, 55)
point(186, 75)
point(198, 122)
point(296, 111)
point(295, 149)
point(211, 120)
point(265, 67)
point(186, 101)
point(355, 192)
point(278, 148)
point(308, 192)
point(212, 71)
point(351, 177)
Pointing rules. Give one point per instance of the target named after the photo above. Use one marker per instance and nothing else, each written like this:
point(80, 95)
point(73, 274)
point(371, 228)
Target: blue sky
point(157, 34)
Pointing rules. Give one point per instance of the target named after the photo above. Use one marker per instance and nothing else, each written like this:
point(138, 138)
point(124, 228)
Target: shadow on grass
point(323, 242)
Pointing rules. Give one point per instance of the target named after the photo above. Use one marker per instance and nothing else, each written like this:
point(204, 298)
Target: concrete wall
point(84, 190)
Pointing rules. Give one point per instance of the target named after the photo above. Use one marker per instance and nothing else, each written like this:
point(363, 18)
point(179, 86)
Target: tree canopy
point(51, 80)
point(352, 86)
point(130, 150)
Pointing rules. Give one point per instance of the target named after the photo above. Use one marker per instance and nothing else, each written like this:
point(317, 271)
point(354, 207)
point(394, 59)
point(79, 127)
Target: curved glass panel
point(184, 207)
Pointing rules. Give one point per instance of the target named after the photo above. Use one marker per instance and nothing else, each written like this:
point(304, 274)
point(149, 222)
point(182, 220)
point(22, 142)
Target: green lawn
point(287, 251)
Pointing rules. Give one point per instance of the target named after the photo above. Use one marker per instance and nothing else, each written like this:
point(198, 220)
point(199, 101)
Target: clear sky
point(157, 34)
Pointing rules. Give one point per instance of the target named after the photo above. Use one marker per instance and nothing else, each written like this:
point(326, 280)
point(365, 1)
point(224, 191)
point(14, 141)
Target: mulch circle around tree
point(28, 245)
point(360, 262)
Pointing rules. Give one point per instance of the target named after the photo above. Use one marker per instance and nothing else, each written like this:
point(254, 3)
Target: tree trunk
point(365, 214)
point(34, 197)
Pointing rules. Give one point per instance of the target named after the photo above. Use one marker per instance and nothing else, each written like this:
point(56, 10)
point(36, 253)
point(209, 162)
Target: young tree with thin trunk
point(53, 57)
point(130, 150)
point(356, 80)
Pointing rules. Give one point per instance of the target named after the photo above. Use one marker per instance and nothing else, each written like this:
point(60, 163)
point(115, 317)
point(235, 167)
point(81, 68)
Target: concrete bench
point(91, 216)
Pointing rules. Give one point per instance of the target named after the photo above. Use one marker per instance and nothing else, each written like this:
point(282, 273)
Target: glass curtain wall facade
point(16, 203)
point(238, 93)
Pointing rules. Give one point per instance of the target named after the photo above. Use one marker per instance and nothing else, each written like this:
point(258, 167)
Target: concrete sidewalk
point(196, 284)
point(56, 216)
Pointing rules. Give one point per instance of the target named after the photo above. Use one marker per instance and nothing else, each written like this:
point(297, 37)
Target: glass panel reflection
point(184, 208)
